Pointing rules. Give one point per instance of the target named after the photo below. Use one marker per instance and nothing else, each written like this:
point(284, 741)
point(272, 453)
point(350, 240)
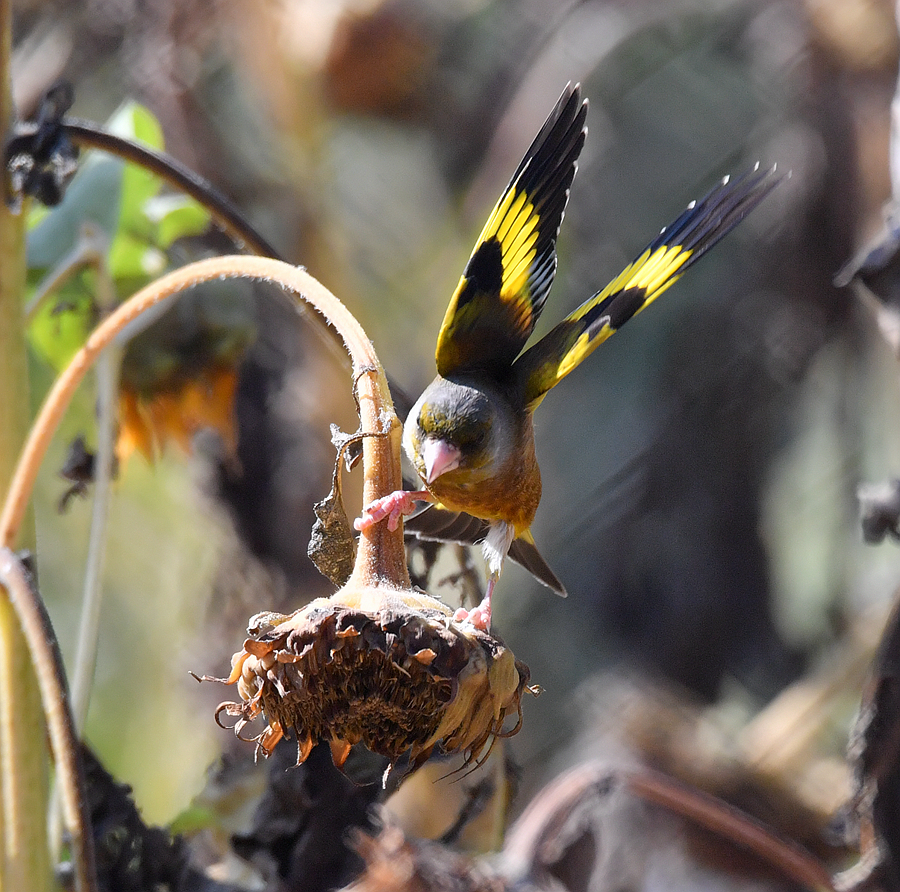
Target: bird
point(470, 435)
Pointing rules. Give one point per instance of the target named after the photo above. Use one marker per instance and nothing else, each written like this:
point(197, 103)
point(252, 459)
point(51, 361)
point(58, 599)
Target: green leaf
point(111, 195)
point(62, 325)
point(132, 259)
point(176, 216)
point(194, 819)
point(141, 224)
point(36, 213)
point(135, 121)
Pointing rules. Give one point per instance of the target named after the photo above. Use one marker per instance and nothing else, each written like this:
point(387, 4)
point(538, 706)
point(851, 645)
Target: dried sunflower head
point(391, 671)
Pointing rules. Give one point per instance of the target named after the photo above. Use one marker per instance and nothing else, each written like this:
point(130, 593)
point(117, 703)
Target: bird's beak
point(439, 457)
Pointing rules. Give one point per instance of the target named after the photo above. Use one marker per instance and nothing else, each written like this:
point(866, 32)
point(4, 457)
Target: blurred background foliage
point(699, 471)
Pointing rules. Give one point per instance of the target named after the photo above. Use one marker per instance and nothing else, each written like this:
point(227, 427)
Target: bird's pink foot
point(398, 504)
point(479, 616)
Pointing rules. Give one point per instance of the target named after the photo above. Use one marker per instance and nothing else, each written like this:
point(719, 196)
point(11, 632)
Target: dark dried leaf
point(332, 544)
point(40, 159)
point(297, 837)
point(131, 857)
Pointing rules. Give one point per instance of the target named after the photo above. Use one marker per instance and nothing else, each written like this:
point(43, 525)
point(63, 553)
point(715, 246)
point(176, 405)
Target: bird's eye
point(478, 438)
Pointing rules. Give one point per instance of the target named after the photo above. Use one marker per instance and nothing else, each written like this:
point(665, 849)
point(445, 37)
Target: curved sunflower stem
point(381, 556)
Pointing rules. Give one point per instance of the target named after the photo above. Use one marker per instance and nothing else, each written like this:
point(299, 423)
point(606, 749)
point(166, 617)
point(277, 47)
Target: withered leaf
point(332, 544)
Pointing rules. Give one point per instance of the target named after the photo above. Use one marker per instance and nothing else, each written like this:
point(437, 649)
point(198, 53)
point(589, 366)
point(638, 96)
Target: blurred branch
point(895, 130)
point(729, 823)
point(587, 801)
point(107, 391)
point(177, 175)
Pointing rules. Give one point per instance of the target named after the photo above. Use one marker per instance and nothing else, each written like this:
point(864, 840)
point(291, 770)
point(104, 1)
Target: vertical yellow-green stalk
point(24, 859)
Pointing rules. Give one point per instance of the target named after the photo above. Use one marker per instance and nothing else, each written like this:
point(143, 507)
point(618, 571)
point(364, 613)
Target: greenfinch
point(470, 435)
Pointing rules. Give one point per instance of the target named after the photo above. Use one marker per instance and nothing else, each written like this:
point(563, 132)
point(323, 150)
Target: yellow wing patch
point(646, 278)
point(492, 312)
point(660, 265)
point(502, 291)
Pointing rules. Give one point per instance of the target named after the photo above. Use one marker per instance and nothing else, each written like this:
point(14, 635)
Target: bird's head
point(458, 428)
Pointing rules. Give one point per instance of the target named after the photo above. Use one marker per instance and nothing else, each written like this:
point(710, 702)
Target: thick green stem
point(24, 859)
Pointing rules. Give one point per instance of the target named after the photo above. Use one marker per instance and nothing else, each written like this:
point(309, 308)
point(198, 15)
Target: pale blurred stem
point(729, 823)
point(381, 557)
point(32, 614)
point(24, 855)
point(90, 251)
point(107, 374)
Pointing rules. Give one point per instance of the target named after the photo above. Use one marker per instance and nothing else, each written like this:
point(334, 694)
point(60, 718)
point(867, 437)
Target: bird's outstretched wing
point(502, 291)
point(661, 264)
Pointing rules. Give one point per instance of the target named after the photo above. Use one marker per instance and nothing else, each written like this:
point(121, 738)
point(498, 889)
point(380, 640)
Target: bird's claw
point(398, 504)
point(479, 616)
